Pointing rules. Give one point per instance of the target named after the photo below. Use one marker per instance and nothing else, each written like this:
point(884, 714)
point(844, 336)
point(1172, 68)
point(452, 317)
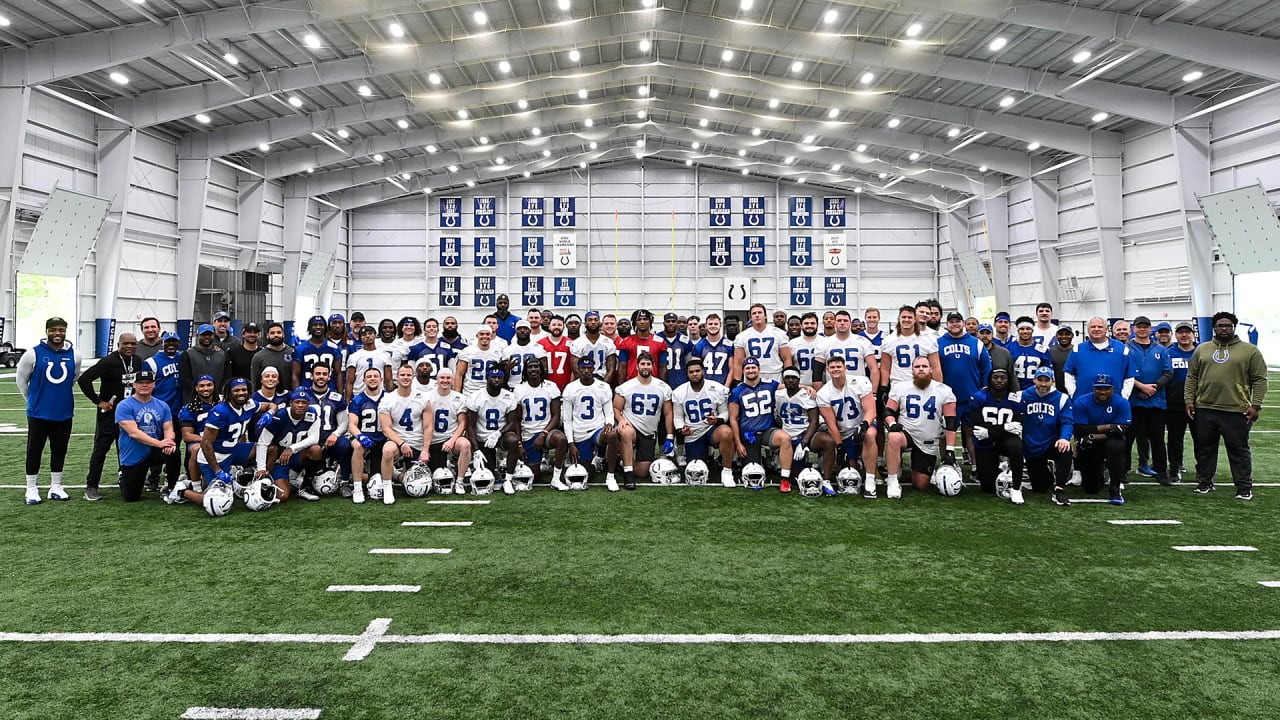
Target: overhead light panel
point(405, 176)
point(203, 119)
point(295, 101)
point(378, 157)
point(833, 113)
point(231, 58)
point(727, 55)
point(913, 156)
point(402, 124)
point(119, 78)
point(364, 91)
point(396, 30)
point(311, 40)
point(953, 132)
point(742, 153)
point(883, 175)
point(582, 93)
point(746, 171)
point(526, 173)
point(563, 5)
point(452, 168)
point(504, 67)
point(703, 122)
point(894, 122)
point(522, 104)
point(808, 139)
point(434, 78)
point(789, 160)
point(797, 66)
point(484, 139)
point(1081, 56)
point(695, 144)
point(463, 115)
point(642, 113)
point(1193, 76)
point(755, 132)
point(997, 44)
point(480, 18)
point(982, 168)
point(862, 147)
point(800, 181)
point(432, 149)
point(914, 30)
point(1033, 146)
point(1007, 101)
point(645, 45)
point(713, 93)
point(499, 161)
point(546, 153)
point(773, 103)
point(574, 55)
point(643, 90)
point(344, 133)
point(868, 77)
point(592, 145)
point(589, 122)
point(1100, 116)
point(471, 183)
point(537, 131)
point(264, 147)
point(836, 167)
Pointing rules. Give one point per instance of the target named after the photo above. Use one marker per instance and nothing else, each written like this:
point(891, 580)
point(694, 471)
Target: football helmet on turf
point(522, 478)
point(482, 481)
point(754, 477)
point(240, 479)
point(417, 480)
point(948, 480)
point(664, 471)
point(576, 476)
point(1004, 481)
point(810, 482)
point(443, 481)
point(261, 494)
point(325, 483)
point(848, 481)
point(218, 499)
point(374, 486)
point(697, 472)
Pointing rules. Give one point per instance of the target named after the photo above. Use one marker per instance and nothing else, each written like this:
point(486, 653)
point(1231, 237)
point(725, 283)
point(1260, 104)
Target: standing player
point(764, 342)
point(47, 379)
point(1176, 419)
point(642, 342)
point(641, 403)
point(872, 332)
point(716, 351)
point(587, 406)
point(432, 349)
point(679, 349)
point(847, 405)
point(556, 367)
point(475, 361)
point(1046, 330)
point(752, 405)
point(369, 356)
point(404, 416)
point(965, 365)
point(1027, 353)
point(593, 344)
point(538, 401)
point(699, 409)
point(493, 419)
point(1002, 337)
point(363, 425)
point(899, 352)
point(860, 356)
point(316, 350)
point(809, 351)
point(927, 410)
point(520, 352)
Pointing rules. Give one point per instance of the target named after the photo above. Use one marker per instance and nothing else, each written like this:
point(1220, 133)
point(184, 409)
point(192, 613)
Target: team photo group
point(825, 405)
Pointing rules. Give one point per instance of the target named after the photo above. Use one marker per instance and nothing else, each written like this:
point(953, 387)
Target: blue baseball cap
point(751, 361)
point(237, 382)
point(299, 394)
point(591, 314)
point(1103, 380)
point(169, 336)
point(202, 378)
point(1042, 371)
point(1163, 326)
point(987, 327)
point(205, 328)
point(338, 317)
point(1002, 315)
point(316, 319)
point(495, 371)
point(586, 360)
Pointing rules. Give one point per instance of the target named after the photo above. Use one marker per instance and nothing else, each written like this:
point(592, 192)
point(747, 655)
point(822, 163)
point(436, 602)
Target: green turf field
point(658, 561)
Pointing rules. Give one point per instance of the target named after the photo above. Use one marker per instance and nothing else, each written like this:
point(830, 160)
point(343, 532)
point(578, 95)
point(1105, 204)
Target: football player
point(290, 441)
point(716, 351)
point(643, 342)
point(521, 351)
point(872, 331)
point(587, 407)
point(363, 425)
point(860, 356)
point(1102, 420)
point(991, 410)
point(222, 445)
point(1046, 427)
point(899, 351)
point(1027, 353)
point(556, 368)
point(1046, 330)
point(539, 403)
point(316, 350)
point(927, 411)
point(191, 420)
point(431, 349)
point(475, 361)
point(798, 413)
point(641, 403)
point(679, 349)
point(699, 409)
point(593, 344)
point(809, 351)
point(965, 364)
point(445, 436)
point(752, 406)
point(493, 419)
point(764, 342)
point(367, 357)
point(404, 416)
point(847, 405)
point(334, 443)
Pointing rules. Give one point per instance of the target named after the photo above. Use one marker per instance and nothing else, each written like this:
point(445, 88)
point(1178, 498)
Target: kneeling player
point(445, 435)
point(221, 445)
point(847, 405)
point(751, 410)
point(699, 408)
point(992, 414)
point(289, 442)
point(1046, 429)
point(362, 424)
point(587, 406)
point(191, 420)
point(493, 420)
point(641, 403)
point(918, 413)
point(539, 403)
point(403, 416)
point(1102, 420)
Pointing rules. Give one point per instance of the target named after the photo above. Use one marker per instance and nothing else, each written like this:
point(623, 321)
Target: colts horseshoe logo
point(737, 291)
point(48, 372)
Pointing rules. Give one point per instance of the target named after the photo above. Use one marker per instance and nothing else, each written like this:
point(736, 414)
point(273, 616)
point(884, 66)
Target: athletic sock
point(555, 474)
point(786, 472)
point(55, 478)
point(32, 480)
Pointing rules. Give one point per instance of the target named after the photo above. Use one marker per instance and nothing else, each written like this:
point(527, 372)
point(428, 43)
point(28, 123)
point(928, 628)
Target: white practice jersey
point(793, 410)
point(491, 412)
point(406, 414)
point(854, 349)
point(764, 345)
point(642, 404)
point(518, 355)
point(901, 350)
point(446, 414)
point(584, 409)
point(477, 361)
point(535, 407)
point(693, 407)
point(804, 353)
point(1044, 339)
point(599, 351)
point(846, 402)
point(920, 412)
point(363, 360)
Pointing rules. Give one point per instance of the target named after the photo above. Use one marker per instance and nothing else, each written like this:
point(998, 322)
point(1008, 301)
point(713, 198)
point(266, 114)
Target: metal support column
point(295, 242)
point(1044, 216)
point(193, 193)
point(116, 147)
point(1108, 211)
point(956, 235)
point(14, 105)
point(996, 212)
point(1191, 150)
point(330, 234)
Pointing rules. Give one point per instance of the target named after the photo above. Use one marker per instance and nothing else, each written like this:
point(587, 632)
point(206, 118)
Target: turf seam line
point(1269, 583)
point(436, 523)
point(410, 551)
point(362, 647)
point(375, 588)
point(1145, 522)
point(1215, 548)
point(217, 713)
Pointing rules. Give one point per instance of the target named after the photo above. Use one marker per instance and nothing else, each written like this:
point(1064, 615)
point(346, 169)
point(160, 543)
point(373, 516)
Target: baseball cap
point(1065, 329)
point(338, 317)
point(357, 315)
point(586, 360)
point(1142, 320)
point(1002, 315)
point(751, 361)
point(369, 329)
point(641, 314)
point(670, 316)
point(495, 371)
point(205, 328)
point(298, 394)
point(169, 336)
point(954, 316)
point(1043, 372)
point(985, 327)
point(522, 323)
point(1185, 324)
point(223, 315)
point(144, 376)
point(202, 378)
point(1102, 380)
point(591, 314)
point(1000, 370)
point(54, 321)
point(1163, 326)
point(251, 327)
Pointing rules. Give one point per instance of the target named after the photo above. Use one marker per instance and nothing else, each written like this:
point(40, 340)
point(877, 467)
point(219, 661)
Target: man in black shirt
point(114, 375)
point(241, 356)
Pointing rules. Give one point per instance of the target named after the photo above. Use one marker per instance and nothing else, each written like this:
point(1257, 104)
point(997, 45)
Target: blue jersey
point(1045, 420)
point(285, 431)
point(965, 366)
point(1180, 362)
point(679, 349)
point(167, 388)
point(150, 417)
point(991, 413)
point(194, 414)
point(439, 355)
point(231, 424)
point(308, 356)
point(1152, 362)
point(278, 400)
point(365, 409)
point(331, 407)
point(1026, 359)
point(715, 358)
point(756, 407)
point(1086, 362)
point(1087, 411)
point(51, 392)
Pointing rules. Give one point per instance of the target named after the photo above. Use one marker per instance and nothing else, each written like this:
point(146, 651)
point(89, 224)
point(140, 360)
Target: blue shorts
point(281, 472)
point(700, 448)
point(532, 455)
point(587, 448)
point(241, 455)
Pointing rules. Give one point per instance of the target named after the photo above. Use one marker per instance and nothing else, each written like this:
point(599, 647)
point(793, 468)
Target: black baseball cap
point(251, 327)
point(670, 316)
point(144, 376)
point(954, 316)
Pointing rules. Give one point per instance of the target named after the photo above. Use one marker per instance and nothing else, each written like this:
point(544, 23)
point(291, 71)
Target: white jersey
point(446, 414)
point(363, 360)
point(642, 404)
point(406, 414)
point(901, 350)
point(535, 337)
point(854, 350)
point(491, 412)
point(535, 407)
point(692, 407)
point(804, 353)
point(517, 355)
point(599, 351)
point(1044, 339)
point(764, 345)
point(793, 410)
point(846, 402)
point(477, 361)
point(427, 387)
point(498, 343)
point(584, 409)
point(920, 411)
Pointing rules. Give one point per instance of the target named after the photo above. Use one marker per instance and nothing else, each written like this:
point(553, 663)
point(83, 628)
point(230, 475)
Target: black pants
point(1177, 422)
point(1148, 426)
point(132, 477)
point(1113, 452)
point(57, 433)
point(1045, 478)
point(1233, 430)
point(988, 460)
point(105, 434)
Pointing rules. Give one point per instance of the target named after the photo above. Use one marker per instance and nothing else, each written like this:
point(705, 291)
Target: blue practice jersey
point(167, 388)
point(365, 409)
point(991, 413)
point(1087, 411)
point(309, 355)
point(679, 349)
point(965, 365)
point(285, 431)
point(756, 407)
point(1045, 420)
point(51, 392)
point(715, 358)
point(195, 413)
point(1026, 359)
point(331, 407)
point(231, 425)
point(439, 355)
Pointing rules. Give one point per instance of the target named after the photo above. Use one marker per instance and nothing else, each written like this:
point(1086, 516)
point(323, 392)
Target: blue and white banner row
point(484, 212)
point(532, 253)
point(833, 291)
point(564, 213)
point(484, 291)
point(801, 253)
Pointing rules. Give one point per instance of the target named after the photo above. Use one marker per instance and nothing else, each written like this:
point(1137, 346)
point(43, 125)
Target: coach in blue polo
point(1099, 355)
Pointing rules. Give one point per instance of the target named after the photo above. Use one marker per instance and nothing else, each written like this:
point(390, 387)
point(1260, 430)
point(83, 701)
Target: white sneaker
point(175, 496)
point(726, 478)
point(558, 484)
point(508, 488)
point(894, 490)
point(1076, 479)
point(57, 493)
point(1025, 485)
point(611, 482)
point(1015, 496)
point(307, 495)
point(869, 487)
point(388, 495)
point(459, 487)
point(357, 493)
point(33, 496)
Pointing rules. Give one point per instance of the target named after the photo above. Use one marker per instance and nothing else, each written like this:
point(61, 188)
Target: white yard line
point(1269, 583)
point(374, 588)
point(1145, 522)
point(1215, 548)
point(410, 551)
point(216, 713)
point(368, 641)
point(436, 523)
point(473, 502)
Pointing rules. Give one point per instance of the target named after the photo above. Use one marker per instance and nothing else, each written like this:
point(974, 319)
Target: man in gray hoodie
point(275, 353)
point(203, 358)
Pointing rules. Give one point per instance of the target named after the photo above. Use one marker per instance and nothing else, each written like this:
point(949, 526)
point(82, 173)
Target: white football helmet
point(810, 482)
point(417, 480)
point(482, 481)
point(443, 481)
point(1004, 481)
point(576, 476)
point(325, 483)
point(261, 494)
point(240, 479)
point(664, 472)
point(374, 486)
point(848, 481)
point(522, 478)
point(697, 472)
point(218, 499)
point(948, 480)
point(754, 476)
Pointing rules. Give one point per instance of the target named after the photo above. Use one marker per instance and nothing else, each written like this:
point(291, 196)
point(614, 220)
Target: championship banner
point(835, 294)
point(483, 291)
point(721, 212)
point(532, 293)
point(566, 251)
point(801, 251)
point(753, 251)
point(450, 294)
point(800, 211)
point(753, 211)
point(450, 212)
point(833, 212)
point(531, 212)
point(533, 251)
point(835, 254)
point(450, 252)
point(720, 255)
point(566, 292)
point(565, 211)
point(484, 211)
point(801, 291)
point(485, 255)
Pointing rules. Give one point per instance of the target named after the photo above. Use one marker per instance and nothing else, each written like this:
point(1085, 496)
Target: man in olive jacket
point(1226, 385)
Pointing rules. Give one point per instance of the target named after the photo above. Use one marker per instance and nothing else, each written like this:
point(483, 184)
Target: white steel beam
point(956, 235)
point(251, 203)
point(193, 193)
point(1191, 149)
point(1044, 217)
point(246, 136)
point(15, 103)
point(996, 212)
point(295, 246)
point(1108, 210)
point(116, 150)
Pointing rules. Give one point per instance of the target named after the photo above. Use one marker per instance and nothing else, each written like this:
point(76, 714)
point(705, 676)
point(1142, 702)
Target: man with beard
point(403, 415)
point(965, 364)
point(860, 356)
point(900, 351)
point(46, 378)
point(593, 344)
point(203, 358)
point(557, 366)
point(357, 324)
point(222, 336)
point(164, 365)
point(990, 410)
point(334, 443)
point(587, 409)
point(699, 409)
point(1000, 357)
point(927, 409)
point(1059, 350)
point(191, 426)
point(337, 337)
point(222, 445)
point(847, 405)
point(642, 404)
point(240, 357)
point(150, 343)
point(624, 328)
point(752, 404)
point(1147, 403)
point(146, 438)
point(432, 349)
point(679, 349)
point(450, 334)
point(809, 352)
point(1101, 420)
point(768, 345)
point(493, 420)
point(522, 351)
point(1003, 321)
point(290, 441)
point(114, 374)
point(643, 342)
point(316, 350)
point(539, 404)
point(1046, 423)
point(276, 354)
point(715, 350)
point(506, 329)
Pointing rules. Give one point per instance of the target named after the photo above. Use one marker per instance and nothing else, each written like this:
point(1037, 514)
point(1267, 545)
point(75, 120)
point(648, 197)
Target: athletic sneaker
point(1015, 496)
point(869, 487)
point(56, 492)
point(893, 489)
point(611, 482)
point(726, 478)
point(175, 496)
point(1204, 487)
point(827, 489)
point(1164, 480)
point(1244, 495)
point(33, 496)
point(1176, 476)
point(345, 490)
point(1060, 497)
point(357, 493)
point(306, 494)
point(92, 495)
point(152, 485)
point(388, 495)
point(507, 487)
point(558, 484)
point(1117, 497)
point(1076, 479)
point(459, 487)
point(785, 485)
point(1146, 471)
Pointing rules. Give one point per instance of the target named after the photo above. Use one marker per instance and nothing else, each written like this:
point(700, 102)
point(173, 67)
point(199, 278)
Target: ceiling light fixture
point(405, 176)
point(504, 67)
point(231, 59)
point(997, 44)
point(574, 55)
point(546, 153)
point(713, 93)
point(914, 30)
point(868, 77)
point(894, 122)
point(695, 144)
point(203, 119)
point(1193, 76)
point(1033, 146)
point(396, 30)
point(836, 167)
point(536, 131)
point(432, 149)
point(830, 17)
point(808, 139)
point(463, 115)
point(1100, 116)
point(592, 145)
point(119, 78)
point(727, 55)
point(264, 146)
point(642, 113)
point(484, 139)
point(522, 104)
point(755, 132)
point(582, 93)
point(471, 183)
point(797, 66)
point(364, 91)
point(295, 101)
point(434, 77)
point(589, 122)
point(862, 147)
point(703, 122)
point(1081, 56)
point(833, 113)
point(343, 133)
point(645, 44)
point(378, 157)
point(913, 156)
point(452, 168)
point(1007, 101)
point(742, 153)
point(480, 17)
point(643, 90)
